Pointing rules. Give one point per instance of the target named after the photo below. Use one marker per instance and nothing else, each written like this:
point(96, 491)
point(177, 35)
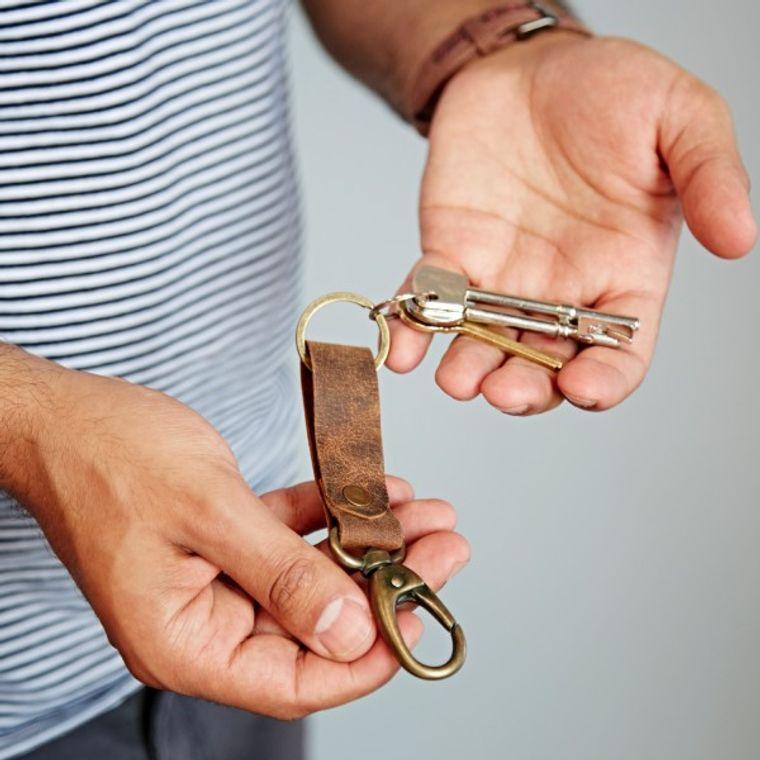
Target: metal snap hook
point(392, 584)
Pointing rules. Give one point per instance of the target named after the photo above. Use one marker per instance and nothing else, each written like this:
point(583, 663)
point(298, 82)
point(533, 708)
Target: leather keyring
point(342, 407)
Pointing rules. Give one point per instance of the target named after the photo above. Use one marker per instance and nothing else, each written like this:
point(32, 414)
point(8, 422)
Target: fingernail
point(517, 411)
point(586, 403)
point(454, 570)
point(344, 626)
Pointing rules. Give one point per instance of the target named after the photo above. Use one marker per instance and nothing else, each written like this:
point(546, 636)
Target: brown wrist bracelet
point(476, 37)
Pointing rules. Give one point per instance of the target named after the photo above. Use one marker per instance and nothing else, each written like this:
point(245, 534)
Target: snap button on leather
point(356, 495)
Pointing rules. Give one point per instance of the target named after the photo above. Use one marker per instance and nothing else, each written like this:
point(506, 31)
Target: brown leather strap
point(342, 408)
point(477, 36)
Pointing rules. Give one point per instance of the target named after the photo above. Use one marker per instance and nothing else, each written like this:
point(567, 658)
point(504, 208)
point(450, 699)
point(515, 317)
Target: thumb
point(307, 593)
point(698, 144)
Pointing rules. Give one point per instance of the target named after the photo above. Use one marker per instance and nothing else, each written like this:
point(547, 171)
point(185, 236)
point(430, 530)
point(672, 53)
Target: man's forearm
point(383, 44)
point(26, 383)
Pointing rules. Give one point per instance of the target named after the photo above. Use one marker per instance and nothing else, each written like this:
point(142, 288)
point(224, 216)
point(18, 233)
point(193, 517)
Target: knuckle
point(292, 585)
point(466, 548)
point(145, 673)
point(296, 705)
point(707, 101)
point(131, 652)
point(446, 513)
point(215, 510)
point(460, 388)
point(295, 505)
point(292, 712)
point(713, 97)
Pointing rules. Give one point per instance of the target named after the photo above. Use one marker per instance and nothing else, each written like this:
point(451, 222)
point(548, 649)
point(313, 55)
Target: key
point(473, 330)
point(446, 298)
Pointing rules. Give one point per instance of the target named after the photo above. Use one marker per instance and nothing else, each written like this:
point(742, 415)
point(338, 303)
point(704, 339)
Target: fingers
point(521, 387)
point(250, 662)
point(301, 588)
point(512, 384)
point(596, 378)
point(408, 347)
point(465, 365)
point(229, 609)
point(418, 519)
point(424, 516)
point(274, 676)
point(438, 557)
point(304, 591)
point(698, 144)
point(599, 378)
point(300, 507)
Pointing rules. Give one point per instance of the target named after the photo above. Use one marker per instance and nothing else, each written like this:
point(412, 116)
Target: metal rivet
point(397, 581)
point(357, 496)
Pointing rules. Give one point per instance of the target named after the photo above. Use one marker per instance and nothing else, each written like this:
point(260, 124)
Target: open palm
point(559, 169)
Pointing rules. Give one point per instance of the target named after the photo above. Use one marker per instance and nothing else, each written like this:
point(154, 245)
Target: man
point(149, 234)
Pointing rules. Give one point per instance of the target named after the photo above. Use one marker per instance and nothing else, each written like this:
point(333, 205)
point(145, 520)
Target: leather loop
point(342, 409)
point(488, 37)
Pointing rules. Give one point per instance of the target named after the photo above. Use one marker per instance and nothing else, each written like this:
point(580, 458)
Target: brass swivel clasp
point(392, 584)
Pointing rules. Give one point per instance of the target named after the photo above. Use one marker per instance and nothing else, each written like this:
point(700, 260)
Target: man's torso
point(149, 230)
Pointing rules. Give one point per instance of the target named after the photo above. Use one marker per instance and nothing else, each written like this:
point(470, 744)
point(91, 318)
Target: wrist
point(500, 27)
point(27, 386)
point(408, 52)
point(516, 57)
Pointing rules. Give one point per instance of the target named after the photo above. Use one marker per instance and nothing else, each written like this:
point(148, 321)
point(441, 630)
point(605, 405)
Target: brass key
point(483, 334)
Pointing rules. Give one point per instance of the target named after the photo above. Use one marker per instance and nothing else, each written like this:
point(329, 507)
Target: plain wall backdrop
point(612, 606)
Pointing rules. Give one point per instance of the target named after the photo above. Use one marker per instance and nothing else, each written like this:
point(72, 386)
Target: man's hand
point(203, 587)
point(559, 169)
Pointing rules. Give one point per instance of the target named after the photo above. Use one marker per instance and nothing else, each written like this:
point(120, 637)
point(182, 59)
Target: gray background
point(613, 602)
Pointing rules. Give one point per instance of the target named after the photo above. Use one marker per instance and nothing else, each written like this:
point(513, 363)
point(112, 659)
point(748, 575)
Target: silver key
point(445, 298)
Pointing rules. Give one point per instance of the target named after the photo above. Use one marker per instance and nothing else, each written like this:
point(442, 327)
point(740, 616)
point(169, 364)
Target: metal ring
point(346, 559)
point(411, 321)
point(386, 307)
point(384, 342)
point(349, 560)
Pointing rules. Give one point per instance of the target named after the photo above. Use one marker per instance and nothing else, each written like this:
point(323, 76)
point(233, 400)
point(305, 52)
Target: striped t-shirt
point(148, 229)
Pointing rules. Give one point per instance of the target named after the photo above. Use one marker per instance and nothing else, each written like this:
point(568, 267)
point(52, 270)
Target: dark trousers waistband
point(159, 725)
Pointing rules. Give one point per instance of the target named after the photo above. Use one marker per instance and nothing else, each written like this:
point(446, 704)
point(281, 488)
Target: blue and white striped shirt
point(148, 229)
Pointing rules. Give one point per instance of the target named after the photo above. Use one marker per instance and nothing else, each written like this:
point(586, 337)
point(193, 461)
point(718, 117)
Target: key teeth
point(621, 336)
point(605, 339)
point(602, 333)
